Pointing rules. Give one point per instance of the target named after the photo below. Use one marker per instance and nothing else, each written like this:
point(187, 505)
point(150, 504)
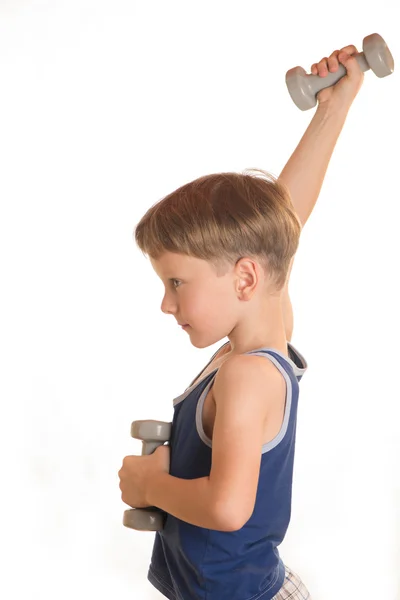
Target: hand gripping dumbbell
point(304, 88)
point(153, 434)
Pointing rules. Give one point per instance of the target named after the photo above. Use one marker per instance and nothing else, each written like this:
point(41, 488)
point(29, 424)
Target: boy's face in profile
point(194, 295)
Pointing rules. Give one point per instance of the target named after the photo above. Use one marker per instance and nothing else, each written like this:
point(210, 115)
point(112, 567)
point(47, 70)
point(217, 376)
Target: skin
point(239, 305)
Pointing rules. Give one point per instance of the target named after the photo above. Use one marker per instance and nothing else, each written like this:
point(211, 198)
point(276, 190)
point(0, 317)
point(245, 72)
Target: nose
point(168, 305)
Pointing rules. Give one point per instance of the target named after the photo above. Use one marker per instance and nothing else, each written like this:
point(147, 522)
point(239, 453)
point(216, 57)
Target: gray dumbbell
point(304, 88)
point(153, 434)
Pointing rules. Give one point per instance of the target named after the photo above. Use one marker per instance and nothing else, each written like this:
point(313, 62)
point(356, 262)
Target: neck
point(263, 328)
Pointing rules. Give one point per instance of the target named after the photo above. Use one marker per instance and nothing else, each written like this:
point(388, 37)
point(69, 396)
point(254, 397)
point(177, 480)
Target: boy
point(228, 509)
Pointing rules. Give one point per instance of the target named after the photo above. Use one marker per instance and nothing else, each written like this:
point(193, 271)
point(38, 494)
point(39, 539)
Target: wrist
point(152, 485)
point(332, 110)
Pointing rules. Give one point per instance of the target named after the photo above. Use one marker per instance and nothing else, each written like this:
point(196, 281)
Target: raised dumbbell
point(304, 88)
point(153, 434)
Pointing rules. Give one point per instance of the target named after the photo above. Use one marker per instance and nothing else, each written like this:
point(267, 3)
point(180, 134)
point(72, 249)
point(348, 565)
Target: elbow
point(231, 520)
point(236, 525)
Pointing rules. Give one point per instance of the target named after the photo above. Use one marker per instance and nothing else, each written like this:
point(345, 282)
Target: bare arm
point(191, 500)
point(304, 174)
point(305, 170)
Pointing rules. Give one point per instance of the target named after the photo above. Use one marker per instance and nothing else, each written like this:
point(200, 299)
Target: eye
point(173, 280)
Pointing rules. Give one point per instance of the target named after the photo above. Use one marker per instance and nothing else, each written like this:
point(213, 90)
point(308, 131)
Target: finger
point(333, 62)
point(349, 49)
point(322, 67)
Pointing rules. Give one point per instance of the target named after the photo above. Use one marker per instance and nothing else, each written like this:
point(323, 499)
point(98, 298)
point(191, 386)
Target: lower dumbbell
point(153, 434)
point(304, 88)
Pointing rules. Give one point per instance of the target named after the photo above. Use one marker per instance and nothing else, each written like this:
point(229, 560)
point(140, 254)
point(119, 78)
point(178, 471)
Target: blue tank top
point(194, 563)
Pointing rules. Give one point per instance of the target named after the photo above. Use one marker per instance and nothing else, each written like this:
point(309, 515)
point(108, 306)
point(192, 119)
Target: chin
point(204, 345)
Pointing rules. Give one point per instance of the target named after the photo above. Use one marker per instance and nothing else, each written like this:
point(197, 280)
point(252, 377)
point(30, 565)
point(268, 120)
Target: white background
point(105, 108)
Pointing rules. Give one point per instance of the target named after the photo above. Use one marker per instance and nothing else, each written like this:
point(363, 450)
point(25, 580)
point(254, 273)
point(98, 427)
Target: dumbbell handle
point(318, 83)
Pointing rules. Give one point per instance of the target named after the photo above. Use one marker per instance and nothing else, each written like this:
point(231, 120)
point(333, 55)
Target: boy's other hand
point(346, 89)
point(137, 473)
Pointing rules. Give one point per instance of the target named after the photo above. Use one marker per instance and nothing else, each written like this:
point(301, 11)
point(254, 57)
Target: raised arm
point(305, 170)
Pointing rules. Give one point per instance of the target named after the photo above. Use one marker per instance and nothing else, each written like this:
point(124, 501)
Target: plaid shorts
point(293, 588)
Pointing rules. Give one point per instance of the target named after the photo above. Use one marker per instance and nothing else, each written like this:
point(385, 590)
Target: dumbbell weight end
point(144, 519)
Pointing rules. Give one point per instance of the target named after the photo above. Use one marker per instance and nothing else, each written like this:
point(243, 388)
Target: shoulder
point(250, 364)
point(244, 373)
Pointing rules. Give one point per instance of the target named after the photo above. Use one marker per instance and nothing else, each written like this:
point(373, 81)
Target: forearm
point(305, 170)
point(190, 500)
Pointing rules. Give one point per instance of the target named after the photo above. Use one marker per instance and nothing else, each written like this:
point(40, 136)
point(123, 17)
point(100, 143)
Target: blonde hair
point(223, 217)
